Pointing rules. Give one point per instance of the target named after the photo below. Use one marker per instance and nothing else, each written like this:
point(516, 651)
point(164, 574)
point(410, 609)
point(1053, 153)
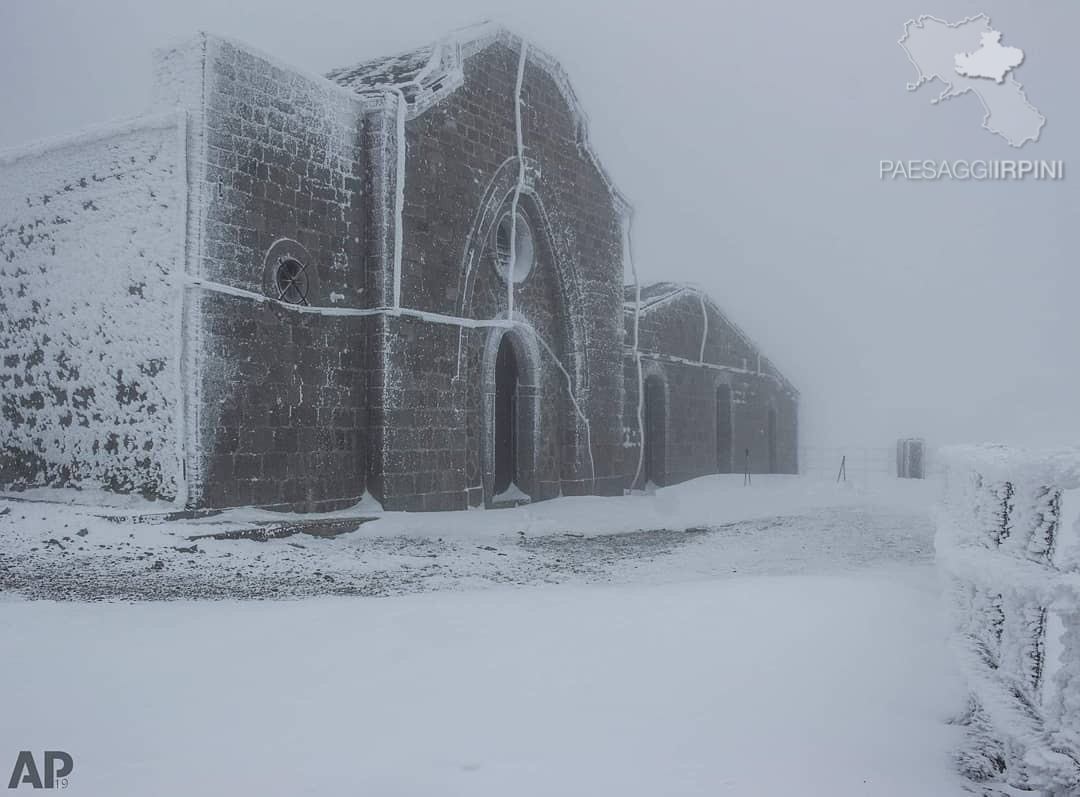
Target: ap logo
point(56, 768)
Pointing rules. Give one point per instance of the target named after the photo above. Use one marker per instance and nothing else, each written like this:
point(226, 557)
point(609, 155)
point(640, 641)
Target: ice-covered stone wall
point(91, 258)
point(436, 423)
point(706, 374)
point(276, 164)
point(1008, 542)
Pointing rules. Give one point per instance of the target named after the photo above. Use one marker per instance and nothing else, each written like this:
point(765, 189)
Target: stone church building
point(405, 279)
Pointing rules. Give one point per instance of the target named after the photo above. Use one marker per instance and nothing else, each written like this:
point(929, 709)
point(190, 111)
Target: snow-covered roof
point(657, 294)
point(651, 293)
point(393, 70)
point(427, 74)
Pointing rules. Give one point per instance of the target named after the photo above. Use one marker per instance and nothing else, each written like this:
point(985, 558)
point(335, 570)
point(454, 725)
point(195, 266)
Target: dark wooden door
point(724, 430)
point(506, 381)
point(771, 433)
point(655, 416)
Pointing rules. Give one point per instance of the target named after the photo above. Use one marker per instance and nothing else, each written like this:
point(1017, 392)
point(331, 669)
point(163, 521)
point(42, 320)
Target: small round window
point(291, 281)
point(524, 249)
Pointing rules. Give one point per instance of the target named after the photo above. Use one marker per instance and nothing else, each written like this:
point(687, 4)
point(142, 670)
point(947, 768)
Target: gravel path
point(64, 557)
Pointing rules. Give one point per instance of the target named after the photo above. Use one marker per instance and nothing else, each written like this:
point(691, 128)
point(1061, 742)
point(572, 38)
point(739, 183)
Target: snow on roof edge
point(473, 39)
point(555, 70)
point(680, 288)
point(286, 66)
point(93, 133)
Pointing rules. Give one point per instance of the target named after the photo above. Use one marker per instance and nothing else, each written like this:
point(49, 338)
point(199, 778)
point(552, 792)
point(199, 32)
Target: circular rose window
point(523, 251)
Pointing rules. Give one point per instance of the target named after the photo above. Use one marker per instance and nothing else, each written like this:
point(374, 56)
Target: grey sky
point(748, 138)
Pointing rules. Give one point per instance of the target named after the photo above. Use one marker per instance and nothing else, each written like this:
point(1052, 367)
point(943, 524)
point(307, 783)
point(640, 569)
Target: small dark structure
point(911, 458)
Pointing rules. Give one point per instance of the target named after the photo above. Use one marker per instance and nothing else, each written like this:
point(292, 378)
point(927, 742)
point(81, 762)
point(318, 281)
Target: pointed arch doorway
point(654, 441)
point(512, 418)
point(771, 435)
point(725, 432)
point(506, 417)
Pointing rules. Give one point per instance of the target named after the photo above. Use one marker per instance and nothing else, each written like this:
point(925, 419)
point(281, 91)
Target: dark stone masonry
point(378, 281)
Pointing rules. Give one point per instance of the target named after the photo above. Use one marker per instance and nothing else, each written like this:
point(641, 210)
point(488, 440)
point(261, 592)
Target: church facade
point(403, 279)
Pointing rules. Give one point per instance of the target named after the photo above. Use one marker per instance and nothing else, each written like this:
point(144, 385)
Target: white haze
point(748, 137)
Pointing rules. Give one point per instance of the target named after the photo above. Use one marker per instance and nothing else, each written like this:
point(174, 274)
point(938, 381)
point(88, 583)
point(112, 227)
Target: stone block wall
point(276, 154)
point(174, 370)
point(91, 261)
point(290, 432)
point(417, 421)
point(670, 342)
point(461, 170)
point(278, 168)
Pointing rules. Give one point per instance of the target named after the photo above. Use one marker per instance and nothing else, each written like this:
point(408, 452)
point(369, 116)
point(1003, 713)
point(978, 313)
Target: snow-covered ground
point(708, 527)
point(790, 643)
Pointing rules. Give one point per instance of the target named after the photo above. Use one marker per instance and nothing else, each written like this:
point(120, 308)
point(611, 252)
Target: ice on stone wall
point(91, 253)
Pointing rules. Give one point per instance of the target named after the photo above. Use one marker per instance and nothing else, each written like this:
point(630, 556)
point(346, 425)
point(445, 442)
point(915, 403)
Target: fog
point(748, 138)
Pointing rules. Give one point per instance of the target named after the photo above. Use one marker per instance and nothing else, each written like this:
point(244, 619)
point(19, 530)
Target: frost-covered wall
point(432, 418)
point(1009, 542)
point(276, 160)
point(697, 359)
point(91, 256)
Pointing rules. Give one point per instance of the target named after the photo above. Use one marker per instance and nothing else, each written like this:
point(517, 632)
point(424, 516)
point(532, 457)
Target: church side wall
point(91, 261)
point(670, 337)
